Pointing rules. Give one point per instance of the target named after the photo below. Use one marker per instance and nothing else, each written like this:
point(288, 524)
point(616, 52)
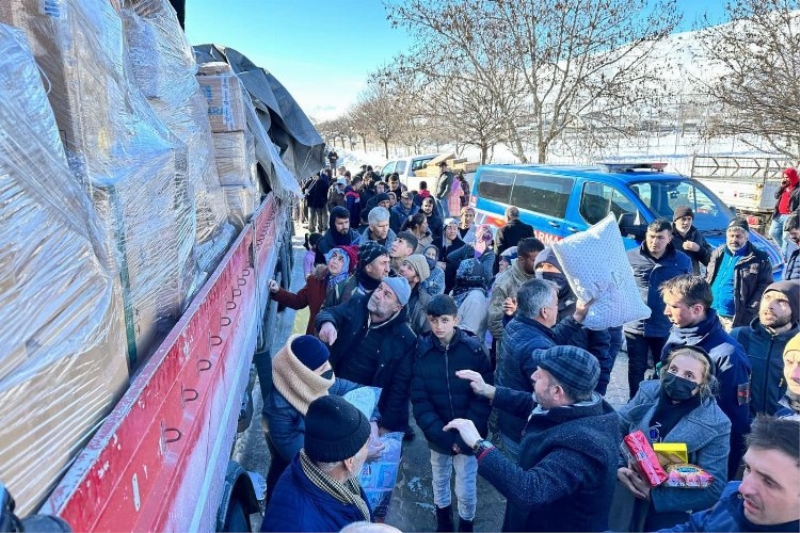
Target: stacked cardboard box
point(223, 91)
point(62, 362)
point(122, 154)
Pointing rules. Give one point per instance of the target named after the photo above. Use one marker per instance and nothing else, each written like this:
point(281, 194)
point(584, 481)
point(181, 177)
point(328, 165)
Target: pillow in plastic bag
point(596, 266)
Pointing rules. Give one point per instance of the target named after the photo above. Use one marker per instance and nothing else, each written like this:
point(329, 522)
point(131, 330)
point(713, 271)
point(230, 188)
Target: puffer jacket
point(438, 396)
point(732, 372)
point(706, 432)
point(395, 355)
point(418, 310)
point(765, 352)
point(728, 515)
point(791, 270)
point(467, 252)
point(701, 256)
point(567, 467)
point(506, 285)
point(649, 273)
point(752, 274)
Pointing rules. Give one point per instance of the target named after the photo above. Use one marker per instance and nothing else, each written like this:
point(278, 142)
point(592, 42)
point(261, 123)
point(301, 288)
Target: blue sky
point(322, 50)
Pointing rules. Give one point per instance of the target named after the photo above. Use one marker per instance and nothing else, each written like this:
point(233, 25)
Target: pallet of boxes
point(117, 203)
point(456, 165)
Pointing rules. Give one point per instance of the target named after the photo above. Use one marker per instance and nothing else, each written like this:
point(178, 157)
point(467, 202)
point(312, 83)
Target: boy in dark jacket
point(687, 239)
point(438, 396)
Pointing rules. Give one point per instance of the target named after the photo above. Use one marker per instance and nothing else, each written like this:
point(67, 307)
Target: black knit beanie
point(335, 430)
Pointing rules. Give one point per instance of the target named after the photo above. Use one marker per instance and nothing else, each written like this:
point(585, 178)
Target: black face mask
point(559, 279)
point(328, 374)
point(678, 388)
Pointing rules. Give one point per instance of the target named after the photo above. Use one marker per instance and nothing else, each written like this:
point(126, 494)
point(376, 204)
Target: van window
point(542, 194)
point(495, 187)
point(388, 168)
point(420, 163)
point(597, 199)
point(663, 197)
point(401, 167)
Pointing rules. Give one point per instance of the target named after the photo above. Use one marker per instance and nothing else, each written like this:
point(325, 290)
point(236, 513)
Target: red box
point(641, 454)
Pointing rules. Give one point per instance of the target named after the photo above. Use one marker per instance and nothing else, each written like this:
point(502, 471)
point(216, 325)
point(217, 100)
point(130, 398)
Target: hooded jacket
point(331, 239)
point(791, 271)
point(649, 274)
point(398, 215)
point(397, 344)
point(787, 199)
point(732, 372)
point(438, 396)
point(506, 285)
point(567, 467)
point(751, 275)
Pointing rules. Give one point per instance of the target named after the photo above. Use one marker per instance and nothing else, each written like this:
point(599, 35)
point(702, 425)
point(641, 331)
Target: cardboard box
point(671, 453)
point(223, 91)
point(639, 452)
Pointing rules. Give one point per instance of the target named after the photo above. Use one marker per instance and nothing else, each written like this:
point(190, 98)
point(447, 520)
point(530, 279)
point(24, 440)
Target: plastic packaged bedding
point(62, 345)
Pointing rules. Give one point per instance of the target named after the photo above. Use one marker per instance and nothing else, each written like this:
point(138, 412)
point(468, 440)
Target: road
point(412, 503)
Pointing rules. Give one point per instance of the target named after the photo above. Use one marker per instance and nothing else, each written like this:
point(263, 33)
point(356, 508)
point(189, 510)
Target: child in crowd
point(439, 396)
point(309, 260)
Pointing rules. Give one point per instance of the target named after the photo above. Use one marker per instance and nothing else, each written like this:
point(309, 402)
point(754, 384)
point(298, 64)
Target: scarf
point(295, 381)
point(335, 280)
point(668, 414)
point(348, 492)
point(366, 281)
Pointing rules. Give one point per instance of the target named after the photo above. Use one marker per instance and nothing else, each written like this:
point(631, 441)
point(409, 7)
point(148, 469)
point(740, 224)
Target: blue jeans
point(466, 467)
point(776, 231)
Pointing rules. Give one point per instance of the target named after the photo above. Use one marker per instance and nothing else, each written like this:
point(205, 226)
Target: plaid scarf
point(348, 492)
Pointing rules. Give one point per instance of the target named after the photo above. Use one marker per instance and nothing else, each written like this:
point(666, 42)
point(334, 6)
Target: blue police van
point(560, 200)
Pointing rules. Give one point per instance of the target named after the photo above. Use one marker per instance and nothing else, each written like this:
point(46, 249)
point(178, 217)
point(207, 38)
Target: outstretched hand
point(467, 430)
point(479, 386)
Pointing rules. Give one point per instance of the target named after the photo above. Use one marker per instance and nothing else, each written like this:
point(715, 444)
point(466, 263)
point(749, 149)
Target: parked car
point(406, 168)
point(561, 200)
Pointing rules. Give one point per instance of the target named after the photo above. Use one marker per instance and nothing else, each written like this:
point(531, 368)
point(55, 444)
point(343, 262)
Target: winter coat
point(336, 198)
point(417, 309)
point(353, 205)
point(438, 396)
point(443, 184)
point(794, 198)
point(506, 285)
point(435, 283)
point(395, 355)
point(445, 250)
point(699, 257)
point(287, 426)
point(327, 242)
point(299, 505)
point(472, 313)
point(706, 432)
point(752, 274)
point(728, 515)
point(523, 335)
point(567, 466)
point(791, 271)
point(435, 225)
point(312, 295)
point(649, 274)
point(398, 215)
point(317, 193)
point(765, 352)
point(390, 238)
point(467, 252)
point(732, 372)
point(510, 234)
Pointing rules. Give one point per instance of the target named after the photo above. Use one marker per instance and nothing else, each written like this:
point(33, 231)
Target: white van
point(406, 167)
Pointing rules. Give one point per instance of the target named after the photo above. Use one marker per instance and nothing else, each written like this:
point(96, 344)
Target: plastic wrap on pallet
point(62, 344)
point(164, 69)
point(130, 163)
point(223, 91)
point(234, 153)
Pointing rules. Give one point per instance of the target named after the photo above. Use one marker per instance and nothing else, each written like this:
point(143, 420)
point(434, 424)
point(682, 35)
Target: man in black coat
point(510, 234)
point(316, 194)
point(371, 343)
point(688, 239)
point(566, 474)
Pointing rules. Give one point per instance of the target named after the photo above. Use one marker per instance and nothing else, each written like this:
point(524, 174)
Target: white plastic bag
point(596, 266)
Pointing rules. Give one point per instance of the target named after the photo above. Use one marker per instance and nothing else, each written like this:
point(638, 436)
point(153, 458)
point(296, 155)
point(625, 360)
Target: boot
point(464, 525)
point(444, 519)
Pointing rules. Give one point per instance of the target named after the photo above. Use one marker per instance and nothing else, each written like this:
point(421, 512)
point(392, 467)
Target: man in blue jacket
point(768, 498)
point(688, 306)
point(319, 491)
point(653, 263)
point(764, 340)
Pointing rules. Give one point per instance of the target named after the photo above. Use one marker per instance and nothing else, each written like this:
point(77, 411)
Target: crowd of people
point(477, 333)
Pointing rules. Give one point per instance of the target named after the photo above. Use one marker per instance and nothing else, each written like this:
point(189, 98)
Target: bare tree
point(758, 54)
point(570, 54)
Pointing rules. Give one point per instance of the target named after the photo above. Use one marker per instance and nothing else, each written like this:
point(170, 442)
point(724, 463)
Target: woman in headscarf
point(301, 373)
point(320, 286)
point(435, 283)
point(678, 407)
point(418, 225)
point(470, 296)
